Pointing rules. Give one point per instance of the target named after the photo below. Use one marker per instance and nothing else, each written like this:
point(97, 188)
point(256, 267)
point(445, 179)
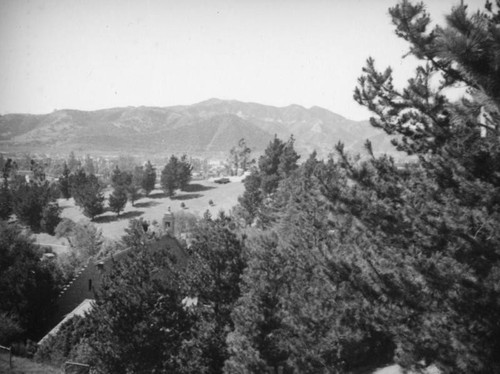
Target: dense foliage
point(212, 278)
point(407, 256)
point(28, 285)
point(118, 200)
point(139, 323)
point(149, 178)
point(240, 158)
point(277, 163)
point(336, 264)
point(87, 192)
point(64, 182)
point(34, 205)
point(85, 241)
point(176, 175)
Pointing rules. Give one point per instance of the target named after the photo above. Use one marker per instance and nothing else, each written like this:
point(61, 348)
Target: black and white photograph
point(250, 186)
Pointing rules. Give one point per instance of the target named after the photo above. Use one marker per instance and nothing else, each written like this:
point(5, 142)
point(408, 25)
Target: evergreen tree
point(73, 163)
point(269, 165)
point(422, 243)
point(287, 315)
point(252, 198)
point(288, 159)
point(87, 193)
point(240, 157)
point(184, 170)
point(38, 170)
point(277, 163)
point(64, 182)
point(120, 178)
point(136, 184)
point(169, 176)
point(5, 201)
point(50, 218)
point(254, 343)
point(28, 286)
point(139, 322)
point(212, 275)
point(88, 165)
point(118, 200)
point(29, 202)
point(137, 234)
point(149, 178)
point(87, 239)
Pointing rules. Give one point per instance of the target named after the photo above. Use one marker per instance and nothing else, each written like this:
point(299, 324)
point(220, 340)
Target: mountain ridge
point(207, 128)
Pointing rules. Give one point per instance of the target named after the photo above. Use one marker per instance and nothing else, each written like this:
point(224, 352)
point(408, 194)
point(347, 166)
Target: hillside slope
point(208, 128)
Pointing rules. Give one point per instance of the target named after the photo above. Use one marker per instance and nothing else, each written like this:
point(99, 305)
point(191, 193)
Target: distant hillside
point(209, 128)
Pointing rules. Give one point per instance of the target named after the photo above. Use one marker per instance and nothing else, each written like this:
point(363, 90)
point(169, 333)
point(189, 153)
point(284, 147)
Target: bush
point(10, 329)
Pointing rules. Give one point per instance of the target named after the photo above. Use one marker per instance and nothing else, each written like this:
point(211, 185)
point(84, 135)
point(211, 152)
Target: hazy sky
point(92, 54)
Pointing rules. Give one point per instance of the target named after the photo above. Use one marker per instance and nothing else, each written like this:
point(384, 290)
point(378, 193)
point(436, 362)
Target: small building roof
point(84, 307)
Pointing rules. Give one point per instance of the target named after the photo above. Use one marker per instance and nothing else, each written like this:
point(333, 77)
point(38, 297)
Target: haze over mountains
point(207, 129)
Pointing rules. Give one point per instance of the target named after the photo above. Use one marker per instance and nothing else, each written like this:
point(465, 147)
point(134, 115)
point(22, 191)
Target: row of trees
point(86, 189)
point(127, 185)
point(34, 201)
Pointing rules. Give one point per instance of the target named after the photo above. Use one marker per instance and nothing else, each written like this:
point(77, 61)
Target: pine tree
point(5, 201)
point(88, 165)
point(240, 157)
point(118, 200)
point(277, 163)
point(149, 178)
point(38, 171)
point(212, 275)
point(269, 165)
point(436, 221)
point(28, 286)
point(252, 198)
point(169, 176)
point(184, 170)
point(120, 178)
point(139, 322)
point(73, 163)
point(50, 218)
point(87, 193)
point(29, 202)
point(64, 182)
point(135, 185)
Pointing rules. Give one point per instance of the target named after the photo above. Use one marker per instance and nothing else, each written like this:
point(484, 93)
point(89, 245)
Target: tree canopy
point(176, 174)
point(149, 178)
point(408, 255)
point(28, 286)
point(87, 192)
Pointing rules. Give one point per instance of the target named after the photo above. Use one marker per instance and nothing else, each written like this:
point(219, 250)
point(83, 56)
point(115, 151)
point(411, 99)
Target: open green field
point(153, 207)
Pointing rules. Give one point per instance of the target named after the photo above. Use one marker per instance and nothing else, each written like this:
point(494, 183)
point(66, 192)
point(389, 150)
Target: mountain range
point(208, 129)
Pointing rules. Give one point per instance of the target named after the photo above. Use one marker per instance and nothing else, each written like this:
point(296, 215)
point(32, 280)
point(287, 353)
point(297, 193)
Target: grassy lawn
point(25, 365)
point(153, 207)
